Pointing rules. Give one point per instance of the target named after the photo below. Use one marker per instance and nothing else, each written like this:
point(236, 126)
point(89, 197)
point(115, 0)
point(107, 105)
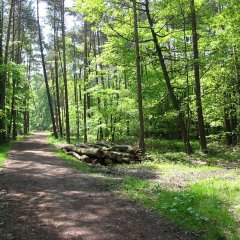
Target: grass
point(54, 141)
point(170, 168)
point(173, 151)
point(81, 166)
point(208, 203)
point(4, 154)
point(4, 149)
point(202, 207)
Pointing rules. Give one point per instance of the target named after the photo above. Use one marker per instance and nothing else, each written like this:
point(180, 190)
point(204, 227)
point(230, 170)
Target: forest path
point(45, 198)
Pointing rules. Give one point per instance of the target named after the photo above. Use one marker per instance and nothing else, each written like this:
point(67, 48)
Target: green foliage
point(197, 197)
point(3, 154)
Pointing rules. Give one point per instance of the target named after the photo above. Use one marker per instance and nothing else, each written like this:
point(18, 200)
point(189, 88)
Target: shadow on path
point(44, 198)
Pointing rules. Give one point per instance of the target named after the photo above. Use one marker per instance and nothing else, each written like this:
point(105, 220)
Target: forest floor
point(43, 197)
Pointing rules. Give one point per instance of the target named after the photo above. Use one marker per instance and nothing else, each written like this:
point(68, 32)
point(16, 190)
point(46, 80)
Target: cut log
point(86, 159)
point(125, 160)
point(75, 155)
point(64, 146)
point(83, 158)
point(122, 148)
point(108, 161)
point(102, 144)
point(81, 145)
point(118, 155)
point(89, 151)
point(94, 145)
point(103, 154)
point(95, 161)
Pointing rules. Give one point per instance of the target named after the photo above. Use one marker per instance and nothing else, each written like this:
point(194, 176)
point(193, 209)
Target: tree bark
point(76, 93)
point(65, 72)
point(175, 101)
point(3, 77)
point(201, 127)
point(45, 74)
point(56, 74)
point(85, 83)
point(139, 80)
point(228, 128)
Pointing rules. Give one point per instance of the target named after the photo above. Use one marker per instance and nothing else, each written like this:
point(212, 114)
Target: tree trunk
point(188, 123)
point(228, 128)
point(65, 72)
point(3, 78)
point(85, 83)
point(76, 93)
point(139, 81)
point(175, 101)
point(201, 127)
point(45, 74)
point(18, 61)
point(56, 74)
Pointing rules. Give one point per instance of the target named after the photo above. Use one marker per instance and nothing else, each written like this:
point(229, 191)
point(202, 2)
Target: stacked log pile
point(103, 154)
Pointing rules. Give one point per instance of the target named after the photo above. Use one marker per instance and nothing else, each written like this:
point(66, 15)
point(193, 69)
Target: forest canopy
point(121, 71)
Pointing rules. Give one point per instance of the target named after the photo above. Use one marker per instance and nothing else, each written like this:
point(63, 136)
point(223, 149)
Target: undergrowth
point(208, 201)
point(202, 207)
point(3, 153)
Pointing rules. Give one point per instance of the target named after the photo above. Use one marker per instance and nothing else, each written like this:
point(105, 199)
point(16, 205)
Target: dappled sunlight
point(59, 202)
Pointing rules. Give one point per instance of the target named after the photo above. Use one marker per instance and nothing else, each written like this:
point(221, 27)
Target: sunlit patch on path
point(45, 198)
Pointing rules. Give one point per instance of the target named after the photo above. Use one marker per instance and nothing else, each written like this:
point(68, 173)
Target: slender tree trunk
point(13, 84)
point(188, 123)
point(26, 100)
point(85, 83)
point(45, 74)
point(14, 77)
point(3, 78)
point(228, 128)
point(127, 117)
point(65, 72)
point(99, 132)
point(236, 102)
point(102, 82)
point(76, 93)
point(18, 61)
point(139, 81)
point(201, 127)
point(56, 75)
point(175, 101)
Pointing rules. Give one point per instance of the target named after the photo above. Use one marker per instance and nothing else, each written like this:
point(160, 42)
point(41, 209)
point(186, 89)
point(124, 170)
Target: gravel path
point(44, 198)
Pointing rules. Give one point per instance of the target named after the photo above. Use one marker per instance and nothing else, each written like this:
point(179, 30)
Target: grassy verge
point(197, 193)
point(209, 207)
point(4, 149)
point(3, 153)
point(81, 166)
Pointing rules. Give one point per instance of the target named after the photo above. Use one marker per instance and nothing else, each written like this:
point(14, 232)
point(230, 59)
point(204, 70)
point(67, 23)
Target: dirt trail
point(44, 198)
